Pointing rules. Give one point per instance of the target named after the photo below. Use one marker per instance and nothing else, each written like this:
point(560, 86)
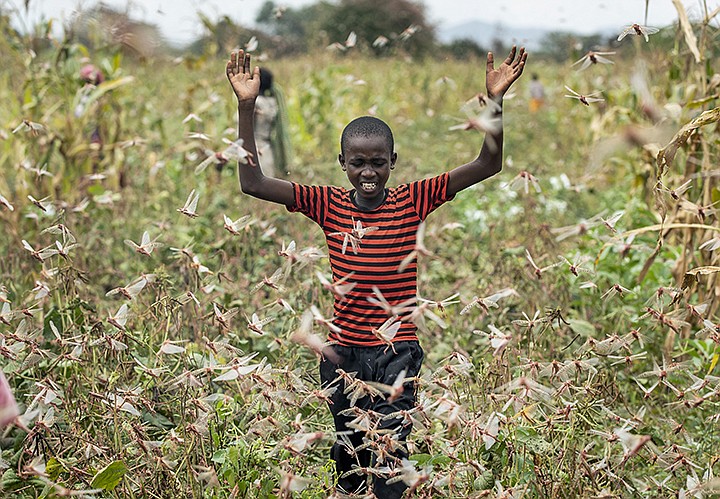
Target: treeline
point(374, 27)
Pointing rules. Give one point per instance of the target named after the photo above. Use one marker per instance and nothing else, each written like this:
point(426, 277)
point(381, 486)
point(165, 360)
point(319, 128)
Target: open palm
point(498, 80)
point(245, 84)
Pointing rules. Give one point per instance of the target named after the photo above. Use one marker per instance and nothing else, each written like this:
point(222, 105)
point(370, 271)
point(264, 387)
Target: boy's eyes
point(374, 162)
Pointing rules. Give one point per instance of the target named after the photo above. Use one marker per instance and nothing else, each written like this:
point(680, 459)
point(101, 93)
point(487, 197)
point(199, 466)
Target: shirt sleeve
point(430, 193)
point(311, 201)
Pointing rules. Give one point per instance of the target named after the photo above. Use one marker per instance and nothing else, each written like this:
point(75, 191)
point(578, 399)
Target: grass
point(542, 395)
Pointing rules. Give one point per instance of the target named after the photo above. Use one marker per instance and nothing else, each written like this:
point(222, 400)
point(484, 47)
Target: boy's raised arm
point(489, 161)
point(246, 85)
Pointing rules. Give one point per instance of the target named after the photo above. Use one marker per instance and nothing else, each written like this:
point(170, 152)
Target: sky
point(177, 19)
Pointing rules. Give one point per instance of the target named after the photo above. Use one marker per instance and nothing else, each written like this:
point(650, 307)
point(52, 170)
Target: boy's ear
point(393, 159)
point(341, 160)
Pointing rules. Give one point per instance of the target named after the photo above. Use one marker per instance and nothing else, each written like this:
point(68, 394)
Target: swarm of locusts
point(159, 332)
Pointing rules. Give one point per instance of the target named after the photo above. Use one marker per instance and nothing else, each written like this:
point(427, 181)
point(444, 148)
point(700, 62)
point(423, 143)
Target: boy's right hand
point(245, 84)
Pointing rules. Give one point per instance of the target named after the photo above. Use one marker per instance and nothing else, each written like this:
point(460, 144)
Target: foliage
point(465, 48)
point(596, 376)
point(396, 20)
point(318, 25)
point(224, 35)
point(103, 25)
point(296, 30)
point(561, 46)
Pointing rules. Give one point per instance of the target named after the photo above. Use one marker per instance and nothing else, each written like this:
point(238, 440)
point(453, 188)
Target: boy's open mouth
point(368, 186)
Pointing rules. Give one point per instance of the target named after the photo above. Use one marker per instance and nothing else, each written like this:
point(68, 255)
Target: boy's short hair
point(367, 126)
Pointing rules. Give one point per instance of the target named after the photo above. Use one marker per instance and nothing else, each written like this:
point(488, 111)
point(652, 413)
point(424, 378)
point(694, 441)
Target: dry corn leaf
point(692, 274)
point(687, 30)
point(666, 155)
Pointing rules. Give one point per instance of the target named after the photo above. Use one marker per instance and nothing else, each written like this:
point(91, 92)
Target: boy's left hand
point(499, 80)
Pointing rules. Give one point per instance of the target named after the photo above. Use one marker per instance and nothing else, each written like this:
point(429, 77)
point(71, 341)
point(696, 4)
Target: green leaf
point(523, 434)
point(109, 477)
point(219, 456)
point(116, 61)
point(52, 316)
point(420, 459)
point(96, 190)
point(158, 420)
point(484, 481)
point(107, 86)
point(440, 459)
point(9, 479)
point(53, 468)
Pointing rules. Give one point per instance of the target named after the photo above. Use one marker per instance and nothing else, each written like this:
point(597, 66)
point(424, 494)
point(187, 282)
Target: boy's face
point(368, 161)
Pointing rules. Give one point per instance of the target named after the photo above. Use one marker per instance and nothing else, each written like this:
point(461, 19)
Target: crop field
point(569, 304)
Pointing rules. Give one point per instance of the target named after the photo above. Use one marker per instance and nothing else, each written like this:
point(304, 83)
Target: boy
point(369, 231)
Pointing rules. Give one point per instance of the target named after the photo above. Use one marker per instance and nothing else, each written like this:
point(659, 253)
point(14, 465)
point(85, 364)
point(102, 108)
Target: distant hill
point(484, 33)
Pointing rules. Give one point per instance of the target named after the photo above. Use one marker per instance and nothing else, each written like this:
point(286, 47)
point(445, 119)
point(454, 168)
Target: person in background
point(537, 94)
point(91, 76)
point(8, 407)
point(270, 128)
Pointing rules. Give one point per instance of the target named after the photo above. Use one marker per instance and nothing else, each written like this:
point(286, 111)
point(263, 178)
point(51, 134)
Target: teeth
point(368, 186)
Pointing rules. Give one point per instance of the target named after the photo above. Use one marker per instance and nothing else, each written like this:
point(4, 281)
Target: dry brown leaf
point(667, 153)
point(690, 38)
point(692, 274)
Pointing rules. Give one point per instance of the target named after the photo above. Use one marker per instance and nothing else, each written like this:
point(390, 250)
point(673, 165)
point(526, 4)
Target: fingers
point(522, 61)
point(246, 64)
point(490, 61)
point(522, 56)
point(230, 65)
point(518, 69)
point(511, 56)
point(239, 63)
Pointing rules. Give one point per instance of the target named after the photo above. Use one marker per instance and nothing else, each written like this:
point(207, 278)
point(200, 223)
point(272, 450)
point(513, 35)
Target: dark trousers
point(377, 447)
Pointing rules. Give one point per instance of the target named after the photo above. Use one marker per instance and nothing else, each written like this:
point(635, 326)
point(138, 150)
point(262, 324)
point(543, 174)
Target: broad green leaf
point(101, 90)
point(219, 456)
point(9, 479)
point(96, 190)
point(484, 481)
point(440, 459)
point(420, 459)
point(109, 477)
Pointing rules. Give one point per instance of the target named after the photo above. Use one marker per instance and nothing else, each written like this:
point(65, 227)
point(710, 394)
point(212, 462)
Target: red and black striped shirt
point(379, 252)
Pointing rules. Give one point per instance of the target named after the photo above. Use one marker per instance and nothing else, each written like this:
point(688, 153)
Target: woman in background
point(270, 127)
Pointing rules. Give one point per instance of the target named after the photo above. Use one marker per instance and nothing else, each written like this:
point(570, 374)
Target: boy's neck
point(370, 204)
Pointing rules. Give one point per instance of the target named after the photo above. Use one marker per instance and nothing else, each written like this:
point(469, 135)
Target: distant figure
point(89, 73)
point(8, 407)
point(270, 130)
point(537, 94)
point(91, 76)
